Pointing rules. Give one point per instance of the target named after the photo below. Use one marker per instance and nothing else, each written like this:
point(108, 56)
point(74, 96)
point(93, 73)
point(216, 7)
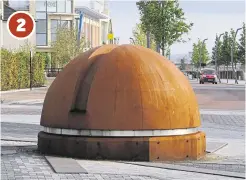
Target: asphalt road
point(220, 96)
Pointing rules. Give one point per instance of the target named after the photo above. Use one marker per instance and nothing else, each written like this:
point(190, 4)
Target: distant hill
point(177, 57)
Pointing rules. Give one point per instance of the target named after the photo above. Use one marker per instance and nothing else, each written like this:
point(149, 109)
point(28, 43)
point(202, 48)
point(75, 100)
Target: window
point(41, 5)
point(53, 37)
point(51, 6)
point(41, 26)
point(65, 24)
point(54, 26)
point(21, 5)
point(68, 6)
point(40, 15)
point(41, 39)
point(61, 6)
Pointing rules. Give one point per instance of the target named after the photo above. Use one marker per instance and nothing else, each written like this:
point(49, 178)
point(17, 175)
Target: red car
point(208, 75)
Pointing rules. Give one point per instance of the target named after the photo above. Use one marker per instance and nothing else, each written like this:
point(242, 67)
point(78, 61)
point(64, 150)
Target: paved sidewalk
point(26, 163)
point(223, 81)
point(232, 81)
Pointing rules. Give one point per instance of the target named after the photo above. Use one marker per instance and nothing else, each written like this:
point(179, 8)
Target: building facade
point(7, 9)
point(50, 15)
point(95, 21)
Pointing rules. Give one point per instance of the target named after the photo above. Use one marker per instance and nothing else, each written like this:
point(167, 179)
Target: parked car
point(208, 75)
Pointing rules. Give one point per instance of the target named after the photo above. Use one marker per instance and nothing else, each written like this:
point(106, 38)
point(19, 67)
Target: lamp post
point(232, 49)
point(148, 39)
point(132, 40)
point(216, 57)
point(200, 55)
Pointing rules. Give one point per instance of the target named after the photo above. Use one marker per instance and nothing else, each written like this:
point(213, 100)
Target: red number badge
point(21, 25)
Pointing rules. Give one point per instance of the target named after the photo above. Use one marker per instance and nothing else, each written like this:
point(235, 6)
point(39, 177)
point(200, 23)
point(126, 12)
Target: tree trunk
point(163, 46)
point(227, 72)
point(236, 82)
point(218, 71)
point(163, 51)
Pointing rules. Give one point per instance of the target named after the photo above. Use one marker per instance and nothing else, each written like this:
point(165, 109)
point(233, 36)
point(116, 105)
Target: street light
point(132, 40)
point(200, 55)
point(216, 57)
point(232, 49)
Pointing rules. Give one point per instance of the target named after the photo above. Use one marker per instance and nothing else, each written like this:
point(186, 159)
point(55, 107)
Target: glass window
point(54, 26)
point(61, 6)
point(40, 5)
point(64, 24)
point(68, 6)
point(51, 6)
point(21, 5)
point(41, 39)
point(53, 37)
point(41, 26)
point(41, 15)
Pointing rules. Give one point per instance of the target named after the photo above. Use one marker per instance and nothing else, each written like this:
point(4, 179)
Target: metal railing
point(52, 72)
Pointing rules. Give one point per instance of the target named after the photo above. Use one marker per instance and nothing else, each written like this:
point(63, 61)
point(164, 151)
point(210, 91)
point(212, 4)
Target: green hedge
point(15, 70)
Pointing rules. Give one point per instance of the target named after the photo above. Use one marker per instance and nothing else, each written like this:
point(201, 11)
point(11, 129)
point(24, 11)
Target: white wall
point(9, 42)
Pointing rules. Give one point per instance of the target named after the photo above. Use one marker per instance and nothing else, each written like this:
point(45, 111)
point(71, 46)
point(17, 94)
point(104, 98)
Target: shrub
point(15, 70)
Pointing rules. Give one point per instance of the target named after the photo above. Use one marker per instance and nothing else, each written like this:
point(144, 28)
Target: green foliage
point(164, 20)
point(47, 59)
point(197, 48)
point(38, 65)
point(66, 47)
point(241, 46)
point(195, 55)
point(217, 47)
point(15, 70)
point(140, 37)
point(235, 48)
point(226, 49)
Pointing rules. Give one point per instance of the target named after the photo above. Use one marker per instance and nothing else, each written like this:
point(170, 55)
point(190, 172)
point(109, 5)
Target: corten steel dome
point(121, 102)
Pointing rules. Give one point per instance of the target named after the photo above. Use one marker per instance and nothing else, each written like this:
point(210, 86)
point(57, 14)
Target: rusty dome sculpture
point(124, 103)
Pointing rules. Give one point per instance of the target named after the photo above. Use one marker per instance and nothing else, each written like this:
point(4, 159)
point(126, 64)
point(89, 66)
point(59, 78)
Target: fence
point(52, 72)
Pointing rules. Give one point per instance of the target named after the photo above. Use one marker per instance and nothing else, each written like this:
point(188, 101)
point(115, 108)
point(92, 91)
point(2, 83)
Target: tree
point(140, 38)
point(66, 46)
point(195, 55)
point(182, 64)
point(241, 46)
point(235, 48)
point(164, 20)
point(197, 49)
point(217, 49)
point(226, 51)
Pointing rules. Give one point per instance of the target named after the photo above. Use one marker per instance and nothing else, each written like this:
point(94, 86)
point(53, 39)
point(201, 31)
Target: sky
point(209, 18)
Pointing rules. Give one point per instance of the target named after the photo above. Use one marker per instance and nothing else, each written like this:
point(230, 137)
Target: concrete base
point(192, 146)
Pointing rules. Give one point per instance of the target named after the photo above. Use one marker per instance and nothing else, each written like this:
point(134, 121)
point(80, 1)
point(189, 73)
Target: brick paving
point(225, 120)
point(30, 165)
point(26, 163)
point(240, 168)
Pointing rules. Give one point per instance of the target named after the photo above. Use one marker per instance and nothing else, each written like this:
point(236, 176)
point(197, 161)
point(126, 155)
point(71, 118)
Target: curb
point(191, 169)
point(233, 84)
point(25, 140)
point(22, 90)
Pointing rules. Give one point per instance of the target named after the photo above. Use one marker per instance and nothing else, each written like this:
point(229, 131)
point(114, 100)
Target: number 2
point(20, 27)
